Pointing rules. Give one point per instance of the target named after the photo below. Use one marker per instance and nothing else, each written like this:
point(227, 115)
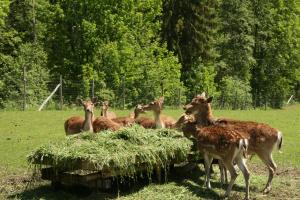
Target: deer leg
point(267, 158)
point(223, 172)
point(207, 164)
point(233, 175)
point(243, 167)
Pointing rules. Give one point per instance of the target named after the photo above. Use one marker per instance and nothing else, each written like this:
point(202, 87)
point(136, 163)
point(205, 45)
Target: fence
point(64, 94)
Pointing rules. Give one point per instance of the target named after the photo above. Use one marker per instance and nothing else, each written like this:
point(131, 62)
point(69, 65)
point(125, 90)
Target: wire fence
point(67, 92)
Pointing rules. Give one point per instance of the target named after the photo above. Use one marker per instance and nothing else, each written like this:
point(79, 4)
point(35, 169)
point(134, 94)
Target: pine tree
point(189, 30)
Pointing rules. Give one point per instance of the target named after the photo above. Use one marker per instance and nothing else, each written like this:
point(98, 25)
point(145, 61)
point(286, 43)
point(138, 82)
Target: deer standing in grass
point(79, 124)
point(221, 143)
point(105, 112)
point(262, 138)
point(161, 121)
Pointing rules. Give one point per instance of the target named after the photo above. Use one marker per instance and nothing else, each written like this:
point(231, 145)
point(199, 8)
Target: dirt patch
point(261, 169)
point(14, 183)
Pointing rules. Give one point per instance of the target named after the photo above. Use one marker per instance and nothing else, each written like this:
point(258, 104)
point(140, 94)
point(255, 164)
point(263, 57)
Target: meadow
point(21, 132)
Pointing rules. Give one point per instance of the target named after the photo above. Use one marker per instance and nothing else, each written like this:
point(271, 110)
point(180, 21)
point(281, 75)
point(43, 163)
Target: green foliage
point(124, 150)
point(237, 41)
point(235, 92)
point(139, 50)
point(189, 29)
point(276, 51)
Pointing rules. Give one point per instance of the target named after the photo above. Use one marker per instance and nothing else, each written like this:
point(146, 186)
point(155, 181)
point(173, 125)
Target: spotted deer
point(222, 143)
point(79, 124)
point(262, 138)
point(105, 112)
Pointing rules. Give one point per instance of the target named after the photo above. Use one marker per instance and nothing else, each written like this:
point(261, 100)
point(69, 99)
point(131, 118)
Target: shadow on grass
point(123, 187)
point(192, 180)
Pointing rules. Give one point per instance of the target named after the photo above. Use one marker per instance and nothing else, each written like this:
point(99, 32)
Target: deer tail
point(279, 140)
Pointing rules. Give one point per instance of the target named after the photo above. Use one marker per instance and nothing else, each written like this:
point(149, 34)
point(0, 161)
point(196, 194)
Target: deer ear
point(209, 100)
point(203, 94)
point(161, 99)
point(80, 101)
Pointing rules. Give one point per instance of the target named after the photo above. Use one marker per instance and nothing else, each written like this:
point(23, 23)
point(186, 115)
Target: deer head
point(137, 110)
point(201, 109)
point(104, 108)
point(89, 105)
point(156, 106)
point(199, 104)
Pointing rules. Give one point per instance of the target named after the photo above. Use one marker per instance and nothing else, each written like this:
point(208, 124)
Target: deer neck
point(189, 129)
point(204, 118)
point(88, 122)
point(104, 113)
point(135, 115)
point(158, 121)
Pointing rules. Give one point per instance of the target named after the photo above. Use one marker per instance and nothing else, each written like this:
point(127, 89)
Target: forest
point(141, 49)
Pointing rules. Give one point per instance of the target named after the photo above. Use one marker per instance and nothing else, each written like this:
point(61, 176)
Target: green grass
point(21, 132)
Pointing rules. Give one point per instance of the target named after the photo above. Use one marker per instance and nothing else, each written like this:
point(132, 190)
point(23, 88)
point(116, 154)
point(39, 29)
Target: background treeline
point(236, 50)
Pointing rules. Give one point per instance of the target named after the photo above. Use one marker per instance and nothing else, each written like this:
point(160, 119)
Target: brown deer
point(102, 123)
point(221, 143)
point(79, 124)
point(161, 121)
point(105, 112)
point(131, 119)
point(262, 138)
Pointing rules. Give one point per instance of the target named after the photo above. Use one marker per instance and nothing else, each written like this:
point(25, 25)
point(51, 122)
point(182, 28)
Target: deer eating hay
point(262, 138)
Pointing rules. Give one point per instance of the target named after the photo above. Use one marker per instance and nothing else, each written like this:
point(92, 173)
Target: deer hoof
point(266, 190)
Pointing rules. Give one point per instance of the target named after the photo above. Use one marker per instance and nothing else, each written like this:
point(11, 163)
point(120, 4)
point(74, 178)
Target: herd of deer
point(232, 142)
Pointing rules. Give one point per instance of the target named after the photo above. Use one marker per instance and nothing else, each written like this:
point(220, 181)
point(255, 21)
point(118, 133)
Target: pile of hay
point(123, 151)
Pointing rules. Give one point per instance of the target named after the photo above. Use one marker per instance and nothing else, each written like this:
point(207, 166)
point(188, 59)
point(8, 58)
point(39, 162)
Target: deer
point(222, 143)
point(79, 124)
point(105, 112)
point(131, 119)
point(262, 138)
point(161, 121)
point(102, 123)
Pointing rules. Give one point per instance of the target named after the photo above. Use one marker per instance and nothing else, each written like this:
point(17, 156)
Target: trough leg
point(158, 174)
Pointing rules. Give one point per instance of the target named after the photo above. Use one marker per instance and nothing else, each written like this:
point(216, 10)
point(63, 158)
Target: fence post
point(93, 89)
point(61, 92)
point(235, 101)
point(123, 92)
point(162, 89)
point(179, 97)
point(24, 87)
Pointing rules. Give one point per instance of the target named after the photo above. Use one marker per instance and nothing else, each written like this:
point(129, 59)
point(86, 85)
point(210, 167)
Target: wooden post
point(60, 92)
point(34, 21)
point(24, 87)
point(179, 97)
point(265, 103)
point(123, 92)
point(162, 89)
point(93, 89)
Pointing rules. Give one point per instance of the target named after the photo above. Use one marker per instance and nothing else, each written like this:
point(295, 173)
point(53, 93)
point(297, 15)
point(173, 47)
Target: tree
point(236, 41)
point(189, 29)
point(276, 51)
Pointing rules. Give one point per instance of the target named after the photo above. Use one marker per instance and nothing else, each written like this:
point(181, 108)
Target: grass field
point(21, 132)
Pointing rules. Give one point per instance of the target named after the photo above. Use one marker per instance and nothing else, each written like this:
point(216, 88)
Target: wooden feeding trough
point(94, 160)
